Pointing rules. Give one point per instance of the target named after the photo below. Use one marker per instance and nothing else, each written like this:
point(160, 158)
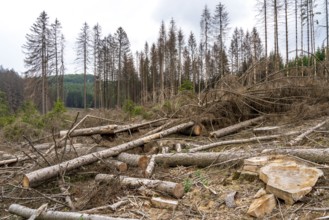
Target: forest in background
point(176, 61)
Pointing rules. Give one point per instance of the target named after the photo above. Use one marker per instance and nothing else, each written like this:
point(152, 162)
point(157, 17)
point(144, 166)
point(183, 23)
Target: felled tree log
point(133, 159)
point(113, 207)
point(178, 147)
point(200, 159)
point(195, 130)
point(203, 159)
point(107, 129)
point(163, 203)
point(158, 129)
point(233, 128)
point(123, 128)
point(238, 141)
point(56, 215)
point(317, 155)
point(37, 176)
point(118, 165)
point(304, 134)
point(17, 159)
point(171, 188)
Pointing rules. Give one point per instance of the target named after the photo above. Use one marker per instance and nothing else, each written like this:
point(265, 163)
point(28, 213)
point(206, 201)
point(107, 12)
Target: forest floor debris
point(172, 177)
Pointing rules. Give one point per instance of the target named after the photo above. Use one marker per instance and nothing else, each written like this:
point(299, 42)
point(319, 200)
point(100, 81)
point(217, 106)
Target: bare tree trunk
point(265, 21)
point(37, 176)
point(276, 36)
point(296, 35)
point(85, 76)
point(308, 31)
point(301, 36)
point(287, 40)
point(327, 31)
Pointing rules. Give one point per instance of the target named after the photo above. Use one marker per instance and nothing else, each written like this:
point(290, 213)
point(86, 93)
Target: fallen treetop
point(56, 215)
point(37, 176)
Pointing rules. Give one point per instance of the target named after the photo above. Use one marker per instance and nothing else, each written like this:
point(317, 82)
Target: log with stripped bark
point(37, 176)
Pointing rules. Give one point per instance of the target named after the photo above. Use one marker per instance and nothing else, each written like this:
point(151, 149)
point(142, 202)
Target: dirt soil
point(206, 188)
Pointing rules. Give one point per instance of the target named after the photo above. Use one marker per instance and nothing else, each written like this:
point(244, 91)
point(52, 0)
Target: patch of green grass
point(187, 185)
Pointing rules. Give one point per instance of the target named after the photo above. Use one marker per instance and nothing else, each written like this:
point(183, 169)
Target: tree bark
point(54, 215)
point(107, 129)
point(118, 165)
point(37, 176)
point(200, 159)
point(174, 189)
point(238, 141)
point(204, 159)
point(150, 167)
point(233, 128)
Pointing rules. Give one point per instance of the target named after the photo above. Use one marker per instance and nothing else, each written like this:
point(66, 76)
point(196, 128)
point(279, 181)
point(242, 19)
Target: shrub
point(132, 109)
point(5, 116)
point(30, 115)
point(187, 85)
point(16, 130)
point(56, 118)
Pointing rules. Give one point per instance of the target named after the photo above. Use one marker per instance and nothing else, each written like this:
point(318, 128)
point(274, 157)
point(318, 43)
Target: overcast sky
point(140, 19)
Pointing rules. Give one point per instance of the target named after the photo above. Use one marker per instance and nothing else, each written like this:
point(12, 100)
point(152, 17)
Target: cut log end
point(143, 162)
point(197, 130)
point(123, 167)
point(178, 191)
point(194, 130)
point(26, 182)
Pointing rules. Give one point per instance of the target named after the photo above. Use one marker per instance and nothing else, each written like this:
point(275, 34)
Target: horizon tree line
point(160, 69)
